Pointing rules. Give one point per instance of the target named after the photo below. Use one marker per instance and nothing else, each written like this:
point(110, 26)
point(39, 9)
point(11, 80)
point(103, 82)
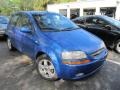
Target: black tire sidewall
point(12, 48)
point(116, 46)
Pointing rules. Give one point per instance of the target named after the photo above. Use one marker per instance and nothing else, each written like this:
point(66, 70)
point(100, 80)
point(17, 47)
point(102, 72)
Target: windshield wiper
point(70, 28)
point(58, 30)
point(50, 29)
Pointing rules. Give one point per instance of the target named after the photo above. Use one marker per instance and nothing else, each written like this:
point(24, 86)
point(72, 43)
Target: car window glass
point(54, 22)
point(91, 21)
point(3, 20)
point(24, 21)
point(13, 20)
point(97, 23)
point(79, 21)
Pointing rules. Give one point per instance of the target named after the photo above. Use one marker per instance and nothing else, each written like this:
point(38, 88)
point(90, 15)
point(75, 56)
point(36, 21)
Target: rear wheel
point(117, 46)
point(9, 44)
point(45, 68)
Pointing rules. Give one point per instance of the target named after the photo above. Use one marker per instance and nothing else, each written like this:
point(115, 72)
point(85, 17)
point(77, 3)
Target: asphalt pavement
point(15, 74)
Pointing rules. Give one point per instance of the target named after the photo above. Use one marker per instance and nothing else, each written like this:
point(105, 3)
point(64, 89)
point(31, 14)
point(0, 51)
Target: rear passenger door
point(18, 34)
point(28, 38)
point(12, 28)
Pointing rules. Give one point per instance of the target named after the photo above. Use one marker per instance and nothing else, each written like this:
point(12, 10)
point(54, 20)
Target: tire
point(117, 46)
point(46, 69)
point(9, 44)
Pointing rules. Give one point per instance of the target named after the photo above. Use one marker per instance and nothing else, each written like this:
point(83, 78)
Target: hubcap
point(118, 47)
point(46, 69)
point(9, 43)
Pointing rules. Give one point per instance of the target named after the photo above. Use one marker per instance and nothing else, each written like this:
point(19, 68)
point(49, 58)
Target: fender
point(52, 54)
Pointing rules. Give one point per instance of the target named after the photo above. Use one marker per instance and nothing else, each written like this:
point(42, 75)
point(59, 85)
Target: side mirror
point(25, 30)
point(108, 27)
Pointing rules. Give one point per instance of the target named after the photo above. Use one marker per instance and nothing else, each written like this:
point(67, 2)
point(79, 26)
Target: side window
point(79, 21)
point(104, 25)
point(13, 20)
point(90, 21)
point(101, 23)
point(96, 23)
point(24, 21)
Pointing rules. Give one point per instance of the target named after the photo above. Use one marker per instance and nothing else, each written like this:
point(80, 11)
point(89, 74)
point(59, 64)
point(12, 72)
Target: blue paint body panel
point(54, 43)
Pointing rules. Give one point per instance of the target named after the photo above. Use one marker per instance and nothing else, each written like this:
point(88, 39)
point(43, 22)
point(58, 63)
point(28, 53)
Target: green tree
point(9, 6)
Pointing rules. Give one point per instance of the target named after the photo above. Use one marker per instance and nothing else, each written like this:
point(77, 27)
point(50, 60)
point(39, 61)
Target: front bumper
point(80, 71)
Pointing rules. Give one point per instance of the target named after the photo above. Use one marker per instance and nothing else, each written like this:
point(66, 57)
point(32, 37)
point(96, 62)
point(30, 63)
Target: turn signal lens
point(76, 62)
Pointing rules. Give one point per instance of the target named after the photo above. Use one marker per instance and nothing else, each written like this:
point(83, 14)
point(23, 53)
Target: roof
point(94, 16)
point(82, 17)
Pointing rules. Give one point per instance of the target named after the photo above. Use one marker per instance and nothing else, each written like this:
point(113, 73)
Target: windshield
point(112, 21)
point(3, 20)
point(54, 22)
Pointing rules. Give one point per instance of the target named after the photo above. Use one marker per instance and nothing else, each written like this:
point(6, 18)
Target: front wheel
point(117, 46)
point(9, 44)
point(45, 68)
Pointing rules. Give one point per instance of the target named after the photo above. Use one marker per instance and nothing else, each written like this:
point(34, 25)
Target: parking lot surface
point(16, 74)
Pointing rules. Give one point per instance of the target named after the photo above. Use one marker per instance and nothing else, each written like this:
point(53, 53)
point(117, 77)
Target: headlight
point(73, 55)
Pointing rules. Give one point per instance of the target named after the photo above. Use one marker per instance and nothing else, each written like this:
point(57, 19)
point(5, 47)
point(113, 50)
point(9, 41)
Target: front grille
point(98, 52)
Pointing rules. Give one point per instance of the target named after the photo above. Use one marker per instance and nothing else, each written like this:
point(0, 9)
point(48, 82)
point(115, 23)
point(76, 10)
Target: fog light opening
point(79, 74)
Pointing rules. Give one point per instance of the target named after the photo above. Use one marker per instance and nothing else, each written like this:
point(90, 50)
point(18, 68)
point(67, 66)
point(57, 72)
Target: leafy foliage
point(9, 6)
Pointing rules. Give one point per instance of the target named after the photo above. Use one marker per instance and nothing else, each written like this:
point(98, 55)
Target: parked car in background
point(107, 28)
point(56, 45)
point(3, 25)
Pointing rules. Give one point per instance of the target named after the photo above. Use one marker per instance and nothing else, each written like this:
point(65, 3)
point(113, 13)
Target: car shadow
point(2, 39)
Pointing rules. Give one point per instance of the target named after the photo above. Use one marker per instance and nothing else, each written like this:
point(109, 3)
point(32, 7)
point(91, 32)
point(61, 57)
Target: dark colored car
point(56, 44)
point(107, 28)
point(3, 25)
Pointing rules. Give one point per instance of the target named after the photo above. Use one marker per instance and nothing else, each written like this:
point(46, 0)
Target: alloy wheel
point(46, 69)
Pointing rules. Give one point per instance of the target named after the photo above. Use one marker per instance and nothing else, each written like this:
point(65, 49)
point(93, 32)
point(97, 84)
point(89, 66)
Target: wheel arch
point(39, 53)
point(118, 38)
point(53, 58)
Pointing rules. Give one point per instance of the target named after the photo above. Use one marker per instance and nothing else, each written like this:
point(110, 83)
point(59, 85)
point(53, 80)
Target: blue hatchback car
point(59, 48)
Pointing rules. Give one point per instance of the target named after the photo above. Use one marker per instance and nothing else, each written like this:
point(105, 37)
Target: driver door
point(102, 29)
point(97, 26)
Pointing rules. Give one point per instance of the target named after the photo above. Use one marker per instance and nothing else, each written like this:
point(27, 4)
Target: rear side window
point(24, 21)
point(14, 19)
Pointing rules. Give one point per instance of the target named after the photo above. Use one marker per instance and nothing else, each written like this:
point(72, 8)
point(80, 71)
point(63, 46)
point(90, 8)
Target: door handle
point(36, 41)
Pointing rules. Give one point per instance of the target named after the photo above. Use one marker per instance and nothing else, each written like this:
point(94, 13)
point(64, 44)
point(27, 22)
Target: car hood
point(75, 40)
